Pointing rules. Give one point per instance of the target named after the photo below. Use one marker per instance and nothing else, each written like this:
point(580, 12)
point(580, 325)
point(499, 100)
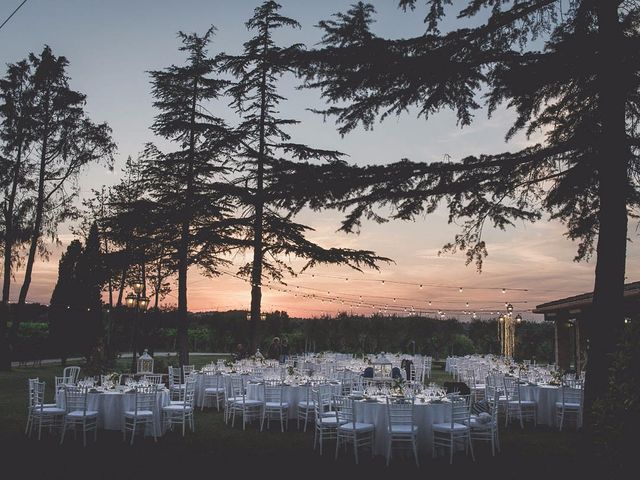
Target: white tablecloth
point(425, 416)
point(112, 405)
point(546, 397)
point(290, 394)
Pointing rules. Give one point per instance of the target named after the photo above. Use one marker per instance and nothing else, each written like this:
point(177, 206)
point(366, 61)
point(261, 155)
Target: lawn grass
point(216, 447)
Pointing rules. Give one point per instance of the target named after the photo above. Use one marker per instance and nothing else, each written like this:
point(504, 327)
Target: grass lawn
point(216, 448)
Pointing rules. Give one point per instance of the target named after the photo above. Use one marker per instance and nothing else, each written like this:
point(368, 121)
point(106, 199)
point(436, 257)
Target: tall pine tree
point(186, 184)
point(271, 232)
point(65, 140)
point(16, 102)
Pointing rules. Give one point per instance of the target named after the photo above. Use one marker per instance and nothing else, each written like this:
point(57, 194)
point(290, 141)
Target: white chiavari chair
point(78, 414)
point(401, 427)
point(516, 405)
point(326, 422)
point(570, 405)
point(40, 413)
point(306, 407)
point(274, 405)
point(240, 404)
point(143, 413)
point(448, 434)
point(181, 412)
point(359, 434)
point(484, 426)
point(212, 388)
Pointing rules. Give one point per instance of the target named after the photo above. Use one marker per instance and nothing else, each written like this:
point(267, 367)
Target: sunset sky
point(111, 45)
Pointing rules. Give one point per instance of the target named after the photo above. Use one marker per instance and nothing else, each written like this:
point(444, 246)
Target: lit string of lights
point(391, 306)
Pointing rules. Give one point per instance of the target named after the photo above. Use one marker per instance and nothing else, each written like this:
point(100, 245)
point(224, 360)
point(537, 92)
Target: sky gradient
point(111, 46)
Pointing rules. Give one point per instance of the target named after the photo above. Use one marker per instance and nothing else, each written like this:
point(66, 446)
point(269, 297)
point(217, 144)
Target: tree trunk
point(5, 352)
point(123, 282)
point(606, 319)
point(256, 267)
point(35, 236)
point(183, 253)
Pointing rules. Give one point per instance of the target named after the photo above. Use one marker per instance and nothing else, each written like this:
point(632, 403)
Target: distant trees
point(75, 310)
point(47, 139)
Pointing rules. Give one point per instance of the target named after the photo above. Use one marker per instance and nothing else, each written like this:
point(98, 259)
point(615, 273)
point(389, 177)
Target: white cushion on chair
point(358, 427)
point(49, 411)
point(176, 408)
point(141, 413)
point(214, 390)
point(404, 429)
point(251, 403)
point(522, 402)
point(276, 405)
point(568, 406)
point(446, 427)
point(329, 421)
point(305, 404)
point(80, 413)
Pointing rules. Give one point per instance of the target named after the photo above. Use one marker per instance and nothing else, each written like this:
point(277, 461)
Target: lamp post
point(507, 330)
point(137, 302)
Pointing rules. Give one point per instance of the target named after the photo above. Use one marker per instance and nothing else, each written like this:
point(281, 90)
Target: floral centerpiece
point(556, 378)
point(398, 386)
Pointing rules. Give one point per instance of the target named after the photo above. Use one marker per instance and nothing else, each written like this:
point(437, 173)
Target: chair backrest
point(212, 380)
point(153, 378)
point(71, 375)
point(272, 392)
point(190, 390)
point(235, 386)
point(145, 398)
point(345, 413)
point(400, 412)
point(187, 369)
point(75, 399)
point(34, 398)
point(571, 395)
point(511, 389)
point(460, 408)
point(174, 376)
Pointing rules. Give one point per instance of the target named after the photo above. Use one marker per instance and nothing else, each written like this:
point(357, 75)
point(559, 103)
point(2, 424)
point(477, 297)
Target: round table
point(112, 404)
point(426, 414)
point(546, 397)
point(292, 394)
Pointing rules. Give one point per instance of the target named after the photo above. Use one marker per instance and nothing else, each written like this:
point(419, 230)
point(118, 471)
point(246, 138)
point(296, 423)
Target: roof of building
point(631, 291)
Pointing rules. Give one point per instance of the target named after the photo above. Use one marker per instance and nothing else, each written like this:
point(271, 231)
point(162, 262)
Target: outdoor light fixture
point(138, 302)
point(518, 318)
point(137, 287)
point(263, 316)
point(509, 308)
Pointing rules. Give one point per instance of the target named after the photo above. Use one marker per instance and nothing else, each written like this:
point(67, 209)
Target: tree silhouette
point(578, 89)
point(15, 178)
point(65, 140)
point(270, 231)
point(186, 185)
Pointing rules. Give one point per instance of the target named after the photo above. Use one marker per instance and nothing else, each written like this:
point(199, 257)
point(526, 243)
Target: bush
point(462, 345)
point(617, 415)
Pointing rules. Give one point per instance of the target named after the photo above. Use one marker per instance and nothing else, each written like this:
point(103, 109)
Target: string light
point(344, 298)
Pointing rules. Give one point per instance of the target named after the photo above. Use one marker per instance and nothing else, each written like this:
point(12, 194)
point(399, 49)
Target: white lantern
point(145, 363)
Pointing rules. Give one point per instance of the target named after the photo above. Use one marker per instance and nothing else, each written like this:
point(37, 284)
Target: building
point(568, 314)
